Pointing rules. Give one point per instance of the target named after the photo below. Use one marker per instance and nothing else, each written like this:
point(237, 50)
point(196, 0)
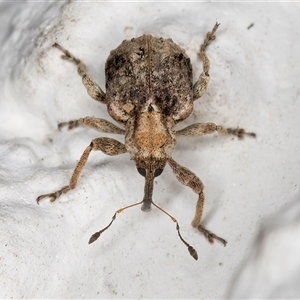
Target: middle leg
point(94, 123)
point(199, 129)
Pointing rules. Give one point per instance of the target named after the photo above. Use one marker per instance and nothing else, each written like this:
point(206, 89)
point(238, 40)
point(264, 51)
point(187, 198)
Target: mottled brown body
point(149, 90)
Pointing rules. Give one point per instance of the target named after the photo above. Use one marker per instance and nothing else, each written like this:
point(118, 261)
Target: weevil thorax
point(150, 138)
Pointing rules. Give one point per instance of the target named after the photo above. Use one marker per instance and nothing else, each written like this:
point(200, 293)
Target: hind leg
point(91, 86)
point(201, 85)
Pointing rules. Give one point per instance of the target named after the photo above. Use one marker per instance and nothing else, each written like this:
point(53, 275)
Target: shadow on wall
point(272, 270)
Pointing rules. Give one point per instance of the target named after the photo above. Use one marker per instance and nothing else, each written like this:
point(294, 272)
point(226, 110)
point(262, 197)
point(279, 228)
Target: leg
point(91, 86)
point(94, 123)
point(190, 179)
point(201, 85)
point(106, 145)
point(199, 129)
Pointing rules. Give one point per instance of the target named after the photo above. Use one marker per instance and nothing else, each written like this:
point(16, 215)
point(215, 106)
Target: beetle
point(149, 90)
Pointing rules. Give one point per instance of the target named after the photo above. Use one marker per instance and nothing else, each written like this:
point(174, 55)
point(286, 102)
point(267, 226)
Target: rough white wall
point(254, 84)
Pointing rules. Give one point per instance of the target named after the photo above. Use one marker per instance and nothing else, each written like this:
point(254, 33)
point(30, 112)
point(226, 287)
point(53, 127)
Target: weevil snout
point(149, 173)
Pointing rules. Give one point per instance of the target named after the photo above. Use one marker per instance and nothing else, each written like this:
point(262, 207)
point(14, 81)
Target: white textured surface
point(255, 85)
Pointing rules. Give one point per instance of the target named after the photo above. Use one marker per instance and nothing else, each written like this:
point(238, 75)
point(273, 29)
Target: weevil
point(149, 91)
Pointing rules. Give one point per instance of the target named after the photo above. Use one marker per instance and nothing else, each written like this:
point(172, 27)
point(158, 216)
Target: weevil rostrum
point(149, 90)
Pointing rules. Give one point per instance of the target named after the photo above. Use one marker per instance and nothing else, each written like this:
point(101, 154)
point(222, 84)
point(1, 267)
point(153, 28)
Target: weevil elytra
point(149, 90)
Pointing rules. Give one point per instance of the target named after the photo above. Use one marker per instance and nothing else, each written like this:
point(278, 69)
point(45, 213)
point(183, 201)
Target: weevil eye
point(157, 172)
point(142, 171)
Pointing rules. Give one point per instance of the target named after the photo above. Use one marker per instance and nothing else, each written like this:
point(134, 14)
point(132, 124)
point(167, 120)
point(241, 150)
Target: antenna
point(192, 251)
point(97, 234)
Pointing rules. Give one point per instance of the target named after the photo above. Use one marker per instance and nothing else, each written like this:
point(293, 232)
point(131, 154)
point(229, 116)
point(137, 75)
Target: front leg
point(106, 145)
point(199, 129)
point(94, 123)
point(188, 178)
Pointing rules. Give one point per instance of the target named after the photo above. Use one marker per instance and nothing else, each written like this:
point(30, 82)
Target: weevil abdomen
point(148, 70)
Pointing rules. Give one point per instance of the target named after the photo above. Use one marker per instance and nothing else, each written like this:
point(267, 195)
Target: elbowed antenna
point(146, 206)
point(191, 249)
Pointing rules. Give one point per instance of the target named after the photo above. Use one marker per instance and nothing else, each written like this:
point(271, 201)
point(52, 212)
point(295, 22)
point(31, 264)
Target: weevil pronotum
point(149, 90)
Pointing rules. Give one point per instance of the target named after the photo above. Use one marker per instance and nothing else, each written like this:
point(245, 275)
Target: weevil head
point(149, 169)
point(150, 140)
